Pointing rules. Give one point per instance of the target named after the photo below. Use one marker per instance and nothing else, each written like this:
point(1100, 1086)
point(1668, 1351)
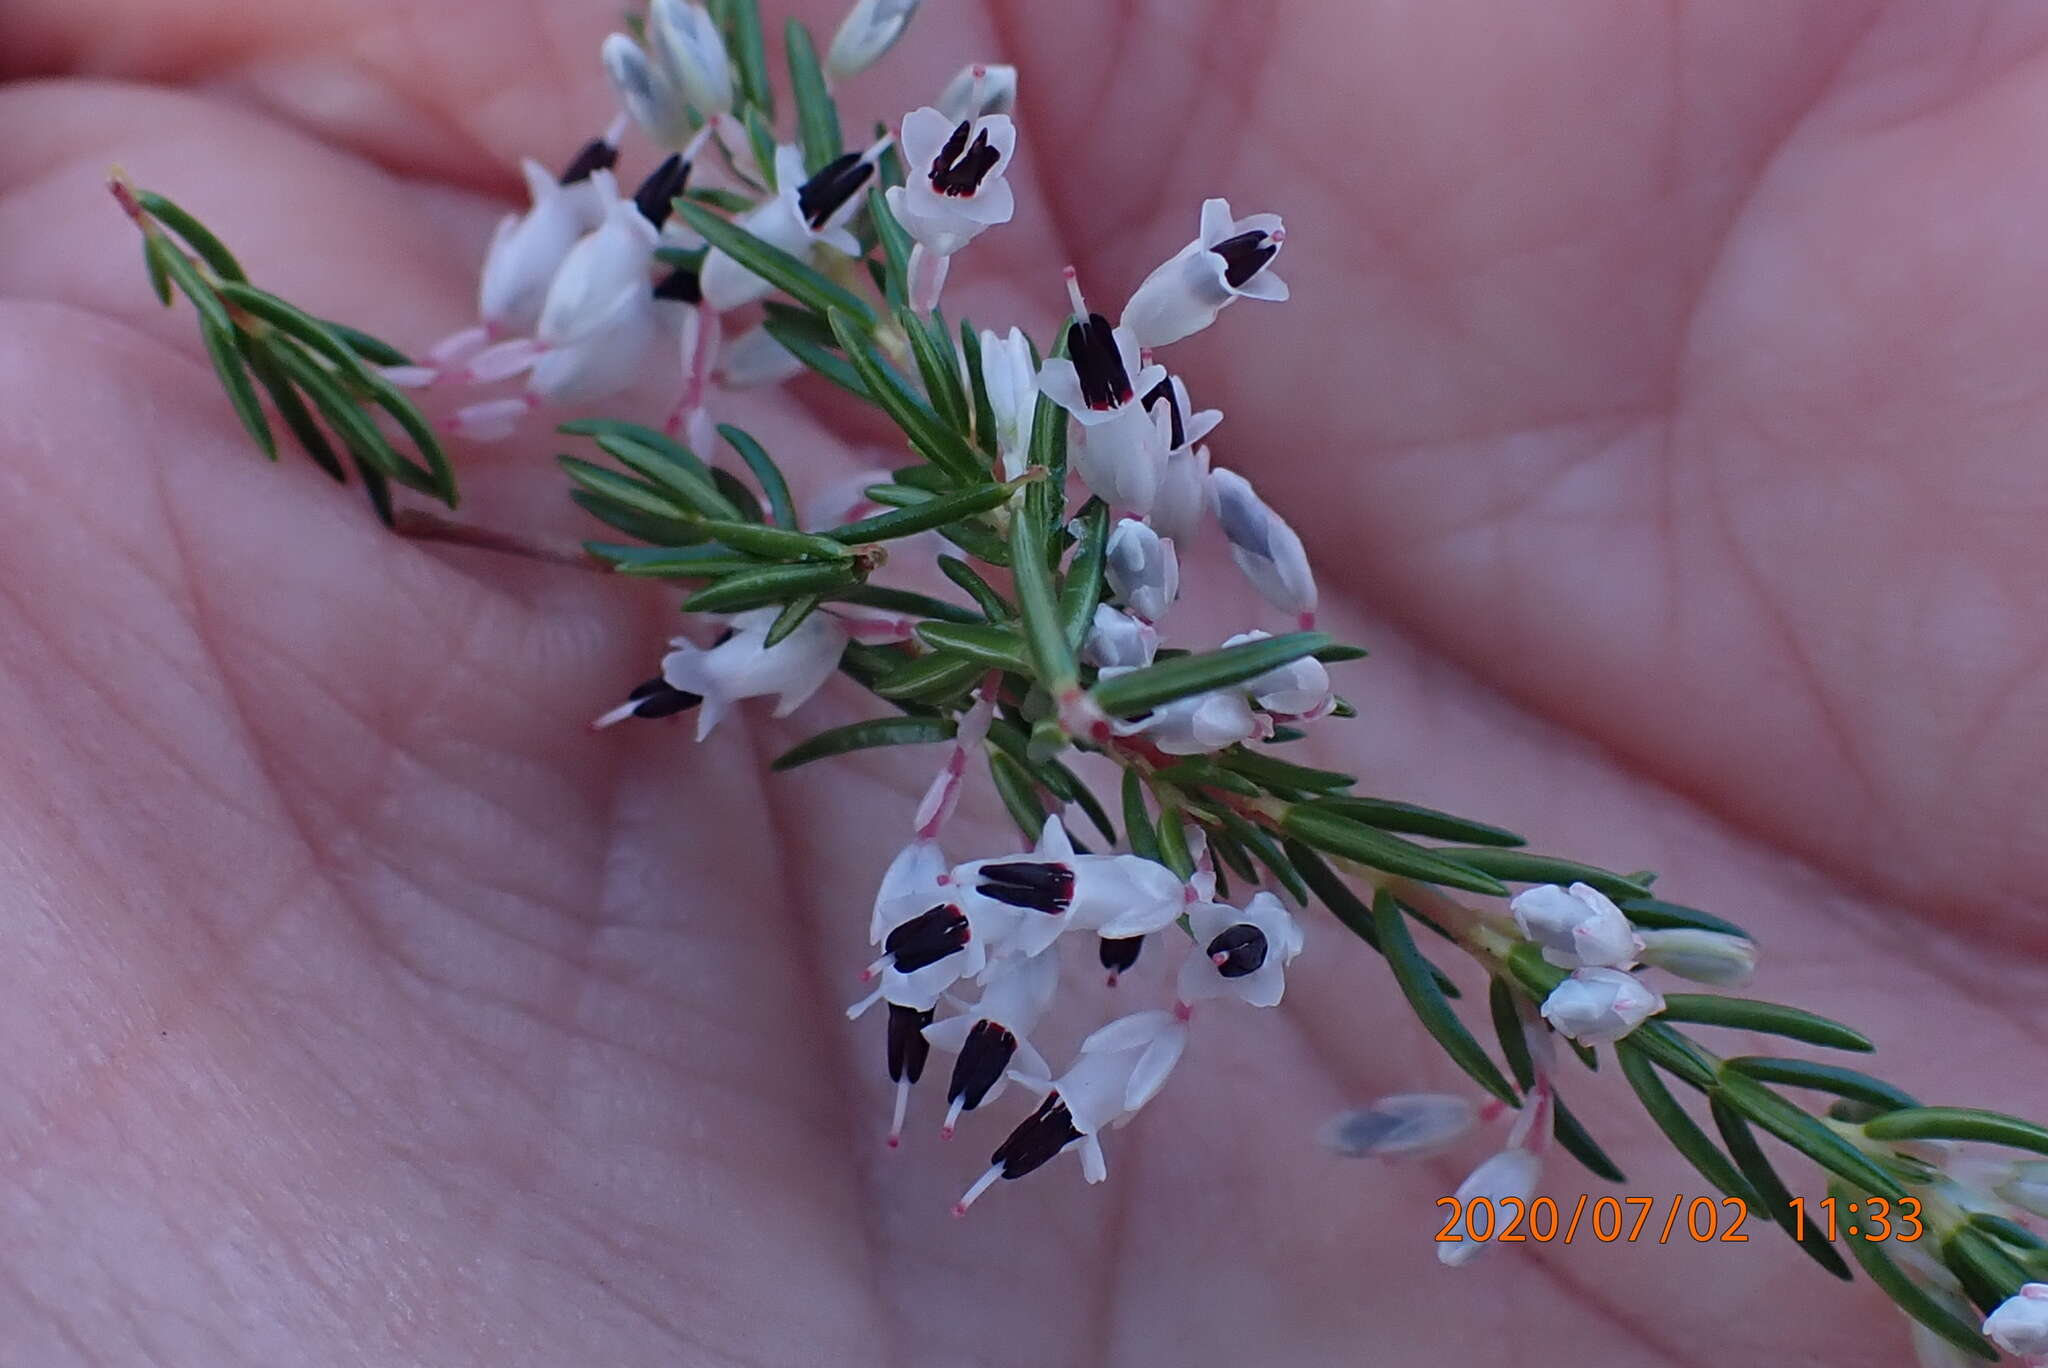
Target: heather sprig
point(1056, 484)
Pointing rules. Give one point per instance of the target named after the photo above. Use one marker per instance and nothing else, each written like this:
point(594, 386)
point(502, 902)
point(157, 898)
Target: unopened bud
point(870, 29)
point(1703, 956)
point(1401, 1124)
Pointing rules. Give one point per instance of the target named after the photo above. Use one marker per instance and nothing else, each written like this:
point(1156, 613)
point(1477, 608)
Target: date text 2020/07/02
point(1624, 1220)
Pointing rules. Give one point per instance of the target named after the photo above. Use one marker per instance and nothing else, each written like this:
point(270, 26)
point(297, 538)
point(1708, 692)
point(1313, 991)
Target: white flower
point(1577, 927)
point(979, 88)
point(1401, 1125)
point(1230, 259)
point(744, 666)
point(1242, 954)
point(692, 54)
point(528, 249)
point(1600, 1006)
point(991, 1038)
point(645, 92)
point(2020, 1324)
point(1118, 640)
point(1025, 901)
point(955, 188)
point(1263, 545)
point(1118, 451)
point(1703, 956)
point(915, 880)
point(1183, 495)
point(1196, 725)
point(1298, 690)
point(870, 29)
point(1011, 378)
point(1143, 569)
point(1510, 1173)
point(1119, 1069)
point(2025, 1185)
point(598, 321)
point(1183, 486)
point(803, 215)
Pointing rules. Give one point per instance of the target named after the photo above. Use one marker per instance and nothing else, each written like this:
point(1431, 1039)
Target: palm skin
point(1659, 395)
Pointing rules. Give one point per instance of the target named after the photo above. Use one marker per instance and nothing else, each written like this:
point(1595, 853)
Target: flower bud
point(979, 89)
point(2027, 1186)
point(645, 93)
point(1703, 956)
point(1143, 570)
point(1577, 927)
point(692, 54)
point(1012, 383)
point(1118, 640)
point(1297, 690)
point(1401, 1124)
point(1511, 1173)
point(870, 29)
point(2020, 1324)
point(1600, 1006)
point(1263, 545)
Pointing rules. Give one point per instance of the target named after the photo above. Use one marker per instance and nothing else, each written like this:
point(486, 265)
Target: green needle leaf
point(1657, 914)
point(749, 54)
point(1082, 589)
point(766, 474)
point(1412, 971)
point(1019, 796)
point(1828, 1078)
point(1141, 690)
point(930, 679)
point(1958, 1123)
point(1507, 1028)
point(1339, 835)
point(1388, 815)
point(1274, 772)
point(1139, 832)
point(234, 376)
point(197, 235)
point(1748, 1014)
point(762, 540)
point(977, 389)
point(928, 513)
point(1915, 1300)
point(1580, 1145)
point(997, 648)
point(1770, 1188)
point(790, 618)
point(1520, 866)
point(153, 249)
point(895, 244)
point(799, 342)
point(297, 417)
point(934, 440)
point(938, 367)
point(1679, 1128)
point(769, 585)
point(1805, 1134)
point(1044, 634)
point(880, 731)
point(787, 274)
point(817, 117)
point(993, 605)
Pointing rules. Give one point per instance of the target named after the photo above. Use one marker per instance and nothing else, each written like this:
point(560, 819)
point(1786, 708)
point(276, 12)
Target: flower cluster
point(746, 258)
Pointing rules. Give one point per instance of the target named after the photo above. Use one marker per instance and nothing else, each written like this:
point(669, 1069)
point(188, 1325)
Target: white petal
point(1094, 1167)
point(1154, 1066)
point(951, 1034)
point(1217, 224)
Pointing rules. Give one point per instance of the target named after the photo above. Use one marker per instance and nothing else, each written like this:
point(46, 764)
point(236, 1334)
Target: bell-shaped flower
point(1143, 569)
point(956, 186)
point(1011, 378)
point(692, 54)
point(1297, 691)
point(1577, 928)
point(645, 92)
point(1264, 546)
point(743, 665)
point(529, 249)
point(1231, 258)
point(917, 878)
point(870, 29)
point(1119, 641)
point(2019, 1325)
point(1511, 1173)
point(1118, 451)
point(1401, 1125)
point(992, 1037)
point(804, 214)
point(1239, 953)
point(979, 88)
point(1703, 956)
point(1600, 1006)
point(1027, 900)
point(1198, 724)
point(2025, 1185)
point(1119, 1069)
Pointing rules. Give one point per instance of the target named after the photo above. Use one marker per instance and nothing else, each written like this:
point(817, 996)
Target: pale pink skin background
point(1663, 395)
